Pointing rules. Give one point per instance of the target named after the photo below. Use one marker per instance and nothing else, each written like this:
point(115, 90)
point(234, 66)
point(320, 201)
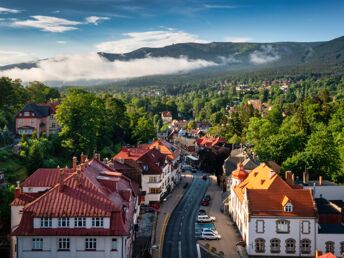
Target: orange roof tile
point(266, 191)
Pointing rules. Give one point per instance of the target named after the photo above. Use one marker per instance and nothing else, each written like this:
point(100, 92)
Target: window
point(306, 227)
point(46, 223)
point(154, 190)
point(329, 247)
point(37, 244)
point(342, 248)
point(51, 116)
point(32, 122)
point(288, 207)
point(79, 222)
point(53, 125)
point(63, 223)
point(290, 246)
point(259, 226)
point(114, 244)
point(90, 243)
point(26, 113)
point(97, 222)
point(20, 121)
point(260, 245)
point(275, 245)
point(282, 226)
point(305, 246)
point(64, 244)
point(153, 179)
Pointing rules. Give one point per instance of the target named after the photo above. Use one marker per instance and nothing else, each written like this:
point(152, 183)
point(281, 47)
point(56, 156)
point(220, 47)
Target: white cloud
point(95, 19)
point(61, 42)
point(48, 23)
point(219, 6)
point(94, 67)
point(266, 55)
point(135, 40)
point(7, 10)
point(237, 39)
point(14, 57)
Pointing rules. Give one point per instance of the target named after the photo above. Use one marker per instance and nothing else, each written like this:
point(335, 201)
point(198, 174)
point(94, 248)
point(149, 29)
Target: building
point(166, 116)
point(38, 118)
point(88, 210)
point(274, 218)
point(173, 155)
point(210, 141)
point(153, 168)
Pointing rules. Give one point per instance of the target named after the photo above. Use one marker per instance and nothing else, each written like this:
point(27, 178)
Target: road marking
point(198, 251)
point(162, 233)
point(180, 249)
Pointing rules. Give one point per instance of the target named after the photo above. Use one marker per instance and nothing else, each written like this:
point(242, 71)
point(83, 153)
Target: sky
point(38, 29)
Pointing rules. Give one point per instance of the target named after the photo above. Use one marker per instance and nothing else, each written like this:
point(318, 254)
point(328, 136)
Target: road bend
point(179, 240)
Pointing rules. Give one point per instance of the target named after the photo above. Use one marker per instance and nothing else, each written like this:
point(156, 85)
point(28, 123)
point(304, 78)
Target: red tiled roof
point(97, 191)
point(166, 148)
point(44, 177)
point(210, 141)
point(166, 114)
point(25, 198)
point(328, 255)
point(266, 191)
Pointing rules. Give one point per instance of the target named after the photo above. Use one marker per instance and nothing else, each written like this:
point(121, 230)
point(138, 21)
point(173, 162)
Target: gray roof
point(40, 111)
point(331, 229)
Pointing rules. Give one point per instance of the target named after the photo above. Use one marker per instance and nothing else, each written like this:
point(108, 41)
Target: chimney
point(320, 180)
point(82, 158)
point(292, 179)
point(17, 191)
point(305, 177)
point(289, 177)
point(77, 176)
point(61, 179)
point(74, 162)
point(98, 156)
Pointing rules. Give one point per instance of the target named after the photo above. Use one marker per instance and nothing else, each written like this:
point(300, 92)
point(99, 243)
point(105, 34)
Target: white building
point(88, 210)
point(273, 218)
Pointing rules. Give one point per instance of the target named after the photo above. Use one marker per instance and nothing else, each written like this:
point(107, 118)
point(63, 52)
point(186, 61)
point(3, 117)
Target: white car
point(205, 219)
point(206, 230)
point(210, 236)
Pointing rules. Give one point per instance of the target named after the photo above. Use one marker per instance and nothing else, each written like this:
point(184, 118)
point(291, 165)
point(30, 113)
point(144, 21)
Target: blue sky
point(245, 20)
point(36, 29)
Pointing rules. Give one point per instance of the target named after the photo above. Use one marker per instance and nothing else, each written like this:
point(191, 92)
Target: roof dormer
point(287, 205)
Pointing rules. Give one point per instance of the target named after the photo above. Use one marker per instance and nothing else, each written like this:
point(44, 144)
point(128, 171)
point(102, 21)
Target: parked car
point(204, 177)
point(202, 212)
point(205, 219)
point(194, 170)
point(205, 202)
point(210, 230)
point(210, 236)
point(207, 197)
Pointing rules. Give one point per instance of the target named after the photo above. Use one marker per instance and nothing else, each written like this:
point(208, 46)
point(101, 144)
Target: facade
point(173, 169)
point(153, 167)
point(274, 218)
point(38, 118)
point(79, 212)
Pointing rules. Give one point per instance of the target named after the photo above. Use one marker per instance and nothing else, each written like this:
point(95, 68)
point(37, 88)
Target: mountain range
point(227, 56)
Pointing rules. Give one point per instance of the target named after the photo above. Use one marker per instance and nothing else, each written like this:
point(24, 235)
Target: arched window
point(305, 246)
point(275, 245)
point(329, 247)
point(290, 246)
point(342, 248)
point(260, 245)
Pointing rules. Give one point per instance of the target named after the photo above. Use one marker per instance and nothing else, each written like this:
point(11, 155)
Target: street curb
point(168, 216)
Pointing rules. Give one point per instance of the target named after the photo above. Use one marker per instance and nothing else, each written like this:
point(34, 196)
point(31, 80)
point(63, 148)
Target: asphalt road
point(179, 239)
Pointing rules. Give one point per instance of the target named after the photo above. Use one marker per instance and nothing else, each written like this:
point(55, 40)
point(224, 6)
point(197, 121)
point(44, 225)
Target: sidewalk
point(228, 232)
point(165, 211)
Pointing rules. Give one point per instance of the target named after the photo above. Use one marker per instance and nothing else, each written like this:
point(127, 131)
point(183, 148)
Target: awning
point(192, 157)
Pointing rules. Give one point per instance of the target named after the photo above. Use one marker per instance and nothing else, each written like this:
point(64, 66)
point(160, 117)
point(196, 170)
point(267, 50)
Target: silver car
point(210, 236)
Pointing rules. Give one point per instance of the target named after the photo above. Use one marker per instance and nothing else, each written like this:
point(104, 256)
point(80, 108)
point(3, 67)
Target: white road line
point(198, 251)
point(180, 249)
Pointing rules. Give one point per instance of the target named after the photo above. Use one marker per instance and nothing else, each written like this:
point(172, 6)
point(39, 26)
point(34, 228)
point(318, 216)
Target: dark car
point(207, 197)
point(205, 202)
point(194, 170)
point(202, 212)
point(204, 177)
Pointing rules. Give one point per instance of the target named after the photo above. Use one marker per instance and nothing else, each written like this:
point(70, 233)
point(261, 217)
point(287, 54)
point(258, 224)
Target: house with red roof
point(38, 118)
point(88, 210)
point(210, 141)
point(152, 166)
point(274, 218)
point(173, 168)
